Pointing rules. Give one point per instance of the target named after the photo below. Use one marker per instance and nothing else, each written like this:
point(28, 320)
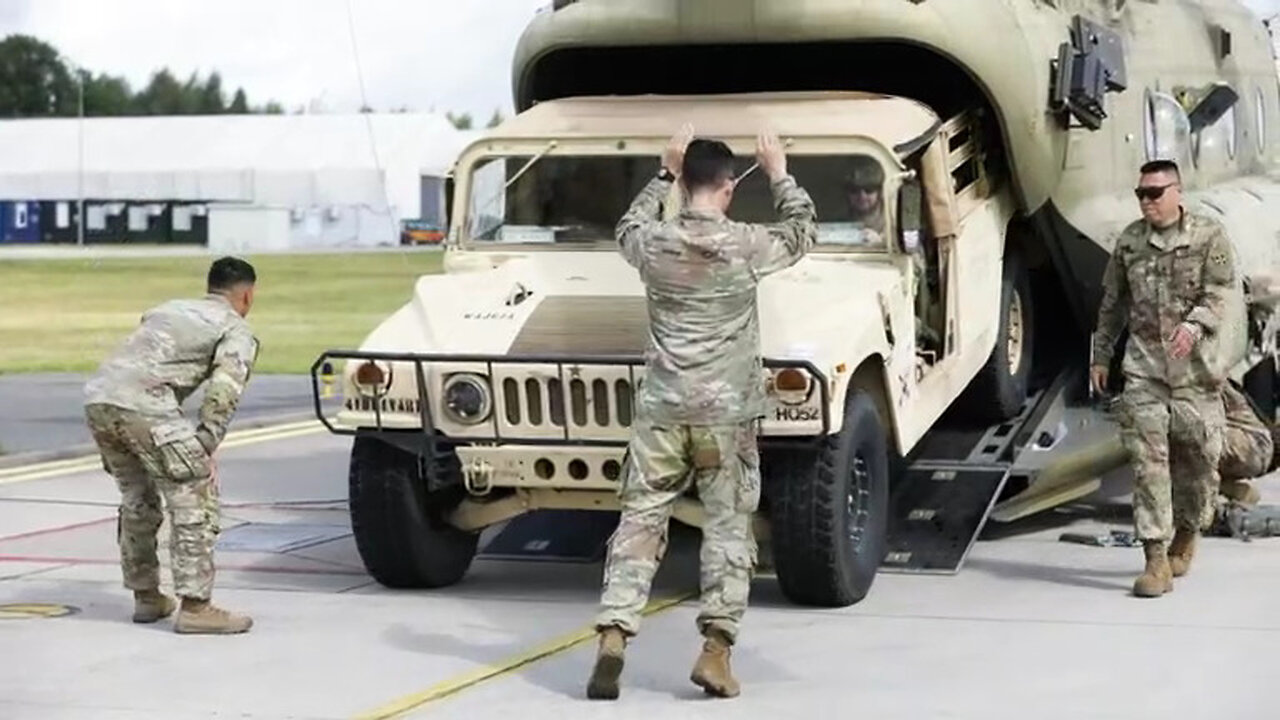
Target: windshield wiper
point(550, 146)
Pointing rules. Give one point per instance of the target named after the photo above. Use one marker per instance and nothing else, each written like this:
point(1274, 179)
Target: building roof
point(890, 120)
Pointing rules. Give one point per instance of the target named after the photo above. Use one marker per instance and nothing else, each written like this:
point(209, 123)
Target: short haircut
point(1159, 166)
point(228, 272)
point(707, 163)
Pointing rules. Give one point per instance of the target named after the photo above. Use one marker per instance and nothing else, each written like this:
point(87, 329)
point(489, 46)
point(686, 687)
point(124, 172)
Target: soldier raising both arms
point(702, 393)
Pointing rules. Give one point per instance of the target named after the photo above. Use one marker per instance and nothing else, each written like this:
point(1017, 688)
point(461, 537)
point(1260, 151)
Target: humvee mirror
point(1212, 106)
point(910, 213)
point(447, 210)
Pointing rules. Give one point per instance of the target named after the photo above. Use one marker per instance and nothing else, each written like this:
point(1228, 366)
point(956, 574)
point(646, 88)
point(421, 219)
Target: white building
point(237, 182)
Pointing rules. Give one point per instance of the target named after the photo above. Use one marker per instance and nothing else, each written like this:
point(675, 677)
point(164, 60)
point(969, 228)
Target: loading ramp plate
point(936, 514)
point(565, 536)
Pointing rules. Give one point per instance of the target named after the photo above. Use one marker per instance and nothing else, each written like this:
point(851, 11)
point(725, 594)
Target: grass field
point(65, 315)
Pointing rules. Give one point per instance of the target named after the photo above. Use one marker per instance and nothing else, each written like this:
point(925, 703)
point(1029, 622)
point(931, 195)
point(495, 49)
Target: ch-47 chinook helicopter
point(924, 375)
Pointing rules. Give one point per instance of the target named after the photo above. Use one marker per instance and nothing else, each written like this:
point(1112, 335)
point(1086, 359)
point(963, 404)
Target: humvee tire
point(829, 511)
point(399, 527)
point(999, 390)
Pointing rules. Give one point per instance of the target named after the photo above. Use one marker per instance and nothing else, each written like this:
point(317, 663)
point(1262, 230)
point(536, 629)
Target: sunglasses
point(1151, 192)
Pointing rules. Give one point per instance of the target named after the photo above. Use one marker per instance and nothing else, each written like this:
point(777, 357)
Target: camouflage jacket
point(703, 364)
point(178, 346)
point(1248, 443)
point(1155, 281)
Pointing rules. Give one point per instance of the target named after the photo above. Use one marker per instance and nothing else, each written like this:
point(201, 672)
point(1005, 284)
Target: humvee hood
point(593, 304)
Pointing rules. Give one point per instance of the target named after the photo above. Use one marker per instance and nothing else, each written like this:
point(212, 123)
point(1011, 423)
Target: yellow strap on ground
point(486, 672)
point(87, 463)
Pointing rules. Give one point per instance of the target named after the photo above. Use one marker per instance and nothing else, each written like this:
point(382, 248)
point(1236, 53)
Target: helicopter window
point(1260, 115)
point(1167, 129)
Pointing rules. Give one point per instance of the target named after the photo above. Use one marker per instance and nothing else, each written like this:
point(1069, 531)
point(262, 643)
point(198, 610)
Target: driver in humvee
point(864, 187)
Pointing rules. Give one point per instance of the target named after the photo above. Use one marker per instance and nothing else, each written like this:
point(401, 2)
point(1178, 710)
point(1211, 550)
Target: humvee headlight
point(791, 386)
point(467, 399)
point(371, 379)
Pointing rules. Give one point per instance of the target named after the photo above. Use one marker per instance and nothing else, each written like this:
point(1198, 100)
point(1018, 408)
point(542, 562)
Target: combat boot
point(711, 671)
point(1181, 550)
point(1157, 579)
point(151, 606)
point(609, 660)
point(1240, 491)
point(201, 617)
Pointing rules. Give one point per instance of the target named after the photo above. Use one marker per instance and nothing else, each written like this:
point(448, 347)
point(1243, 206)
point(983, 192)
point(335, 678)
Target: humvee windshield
point(577, 201)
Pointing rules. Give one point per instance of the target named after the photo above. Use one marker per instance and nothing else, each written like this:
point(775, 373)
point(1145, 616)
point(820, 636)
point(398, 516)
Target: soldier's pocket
point(180, 454)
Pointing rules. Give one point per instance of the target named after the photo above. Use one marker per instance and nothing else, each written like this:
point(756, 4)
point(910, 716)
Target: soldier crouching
point(133, 409)
point(701, 397)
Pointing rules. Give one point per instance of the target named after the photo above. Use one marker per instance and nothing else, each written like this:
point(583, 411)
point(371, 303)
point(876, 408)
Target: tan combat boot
point(711, 672)
point(151, 606)
point(1240, 491)
point(609, 659)
point(1157, 579)
point(1181, 550)
point(201, 617)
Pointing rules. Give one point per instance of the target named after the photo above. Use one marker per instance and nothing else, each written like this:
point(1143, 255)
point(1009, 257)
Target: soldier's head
point(707, 174)
point(864, 186)
point(234, 279)
point(1159, 193)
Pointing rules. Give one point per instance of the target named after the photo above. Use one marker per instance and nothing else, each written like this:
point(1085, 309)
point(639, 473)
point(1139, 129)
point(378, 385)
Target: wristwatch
point(666, 175)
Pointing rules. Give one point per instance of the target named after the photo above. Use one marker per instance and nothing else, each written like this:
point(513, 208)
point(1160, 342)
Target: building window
point(181, 218)
point(137, 218)
point(62, 215)
point(20, 216)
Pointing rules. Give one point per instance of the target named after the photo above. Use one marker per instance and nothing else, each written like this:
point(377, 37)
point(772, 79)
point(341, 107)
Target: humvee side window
point(848, 192)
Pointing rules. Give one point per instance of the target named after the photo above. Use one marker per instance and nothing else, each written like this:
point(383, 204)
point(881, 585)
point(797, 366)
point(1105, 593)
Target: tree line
point(36, 81)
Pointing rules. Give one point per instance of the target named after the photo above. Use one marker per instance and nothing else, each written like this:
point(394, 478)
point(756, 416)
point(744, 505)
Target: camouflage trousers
point(1174, 440)
point(722, 463)
point(150, 459)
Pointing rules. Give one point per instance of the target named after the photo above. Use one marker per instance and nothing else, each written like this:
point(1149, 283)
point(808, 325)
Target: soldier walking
point(702, 395)
point(133, 408)
point(1168, 278)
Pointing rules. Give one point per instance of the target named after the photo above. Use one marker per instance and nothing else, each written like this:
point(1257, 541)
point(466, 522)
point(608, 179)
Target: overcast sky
point(446, 54)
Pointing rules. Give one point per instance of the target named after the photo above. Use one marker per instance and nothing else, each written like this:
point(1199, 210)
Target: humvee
point(925, 371)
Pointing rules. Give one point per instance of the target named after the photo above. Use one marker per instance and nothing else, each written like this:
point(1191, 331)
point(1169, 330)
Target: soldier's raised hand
point(771, 155)
point(673, 156)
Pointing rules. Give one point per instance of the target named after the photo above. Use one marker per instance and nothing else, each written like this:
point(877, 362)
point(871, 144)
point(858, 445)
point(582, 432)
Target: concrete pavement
point(1031, 627)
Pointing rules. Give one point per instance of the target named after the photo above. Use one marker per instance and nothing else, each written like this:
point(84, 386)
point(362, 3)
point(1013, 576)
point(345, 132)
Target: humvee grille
point(596, 403)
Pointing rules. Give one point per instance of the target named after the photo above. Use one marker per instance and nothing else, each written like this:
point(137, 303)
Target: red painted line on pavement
point(60, 528)
point(217, 566)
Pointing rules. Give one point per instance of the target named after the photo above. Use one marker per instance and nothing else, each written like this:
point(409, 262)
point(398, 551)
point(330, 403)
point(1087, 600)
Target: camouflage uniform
point(1171, 412)
point(701, 396)
point(133, 408)
point(1248, 444)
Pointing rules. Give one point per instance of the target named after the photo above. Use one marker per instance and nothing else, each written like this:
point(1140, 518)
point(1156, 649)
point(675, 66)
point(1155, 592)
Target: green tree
point(105, 95)
point(34, 80)
point(212, 101)
point(239, 103)
point(462, 122)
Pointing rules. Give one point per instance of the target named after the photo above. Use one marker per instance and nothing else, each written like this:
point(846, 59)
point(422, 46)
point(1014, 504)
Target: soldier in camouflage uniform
point(702, 394)
point(1168, 278)
point(133, 407)
point(1248, 449)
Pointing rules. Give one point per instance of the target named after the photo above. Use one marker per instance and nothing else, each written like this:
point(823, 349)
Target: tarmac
point(1029, 627)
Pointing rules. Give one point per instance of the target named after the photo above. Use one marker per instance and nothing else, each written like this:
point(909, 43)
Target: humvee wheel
point(829, 511)
point(399, 528)
point(999, 390)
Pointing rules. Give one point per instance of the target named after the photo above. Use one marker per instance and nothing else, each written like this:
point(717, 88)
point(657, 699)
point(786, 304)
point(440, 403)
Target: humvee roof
point(898, 123)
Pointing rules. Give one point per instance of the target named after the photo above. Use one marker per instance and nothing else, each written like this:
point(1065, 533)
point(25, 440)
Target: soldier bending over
point(133, 407)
